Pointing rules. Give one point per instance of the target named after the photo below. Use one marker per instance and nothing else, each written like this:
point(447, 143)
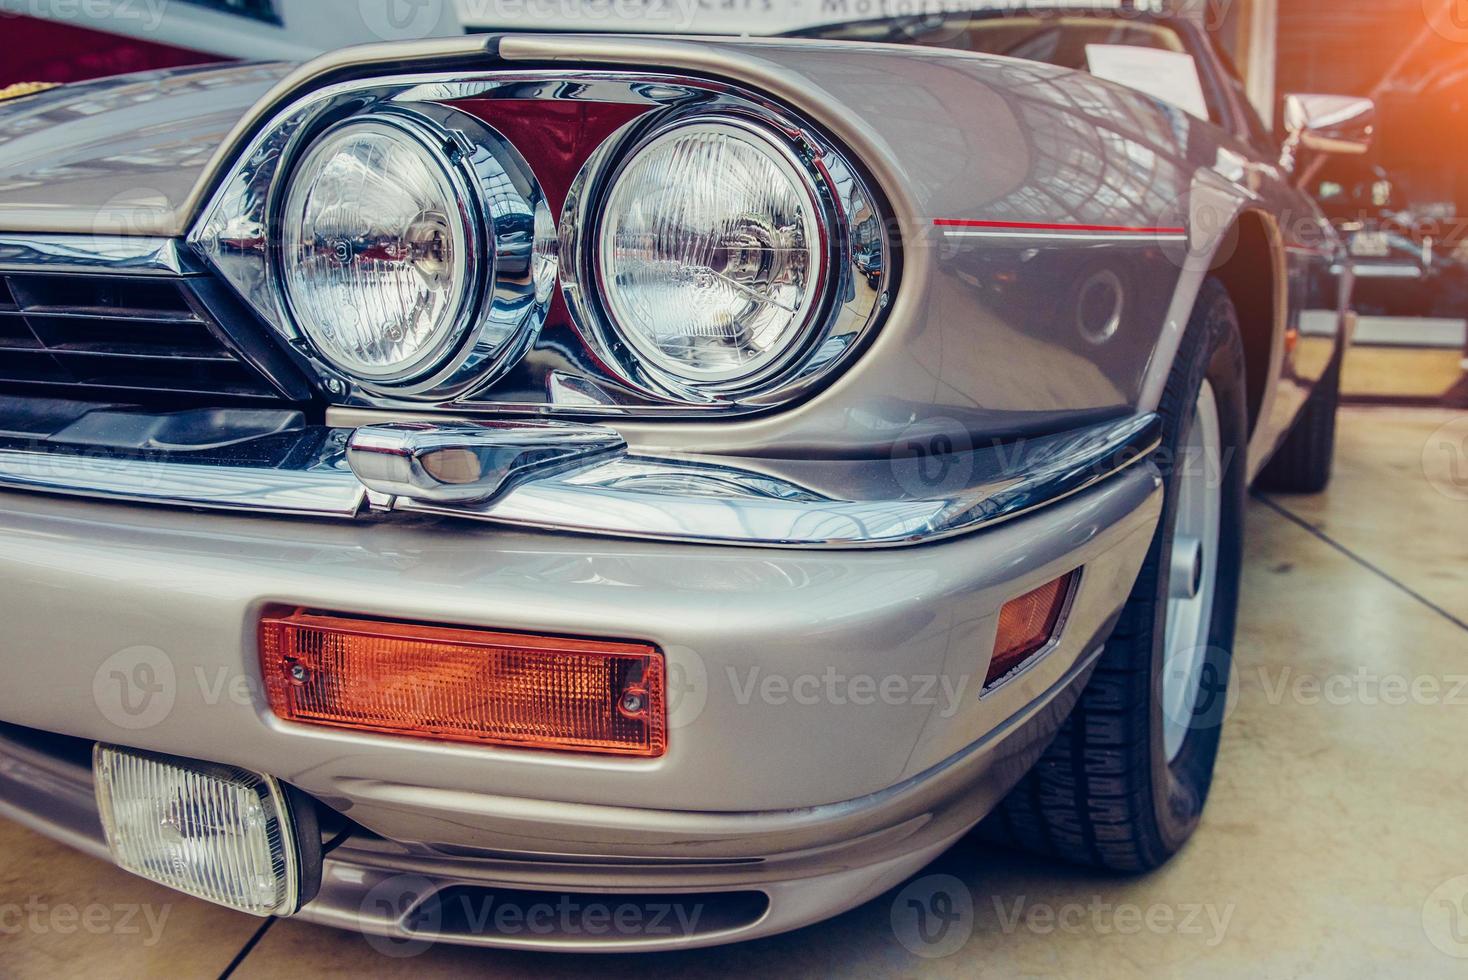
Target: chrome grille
point(118, 336)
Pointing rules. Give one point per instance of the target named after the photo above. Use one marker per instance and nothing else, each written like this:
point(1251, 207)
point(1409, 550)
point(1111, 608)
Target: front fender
point(1011, 184)
point(1029, 204)
point(122, 155)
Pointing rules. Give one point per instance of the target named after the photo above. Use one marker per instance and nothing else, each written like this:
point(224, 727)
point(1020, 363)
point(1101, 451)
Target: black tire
point(1304, 459)
point(1104, 793)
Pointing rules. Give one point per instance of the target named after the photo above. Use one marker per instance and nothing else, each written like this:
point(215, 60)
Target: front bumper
point(553, 476)
point(827, 734)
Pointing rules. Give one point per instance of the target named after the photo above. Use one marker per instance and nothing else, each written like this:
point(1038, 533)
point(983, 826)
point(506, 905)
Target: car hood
point(122, 155)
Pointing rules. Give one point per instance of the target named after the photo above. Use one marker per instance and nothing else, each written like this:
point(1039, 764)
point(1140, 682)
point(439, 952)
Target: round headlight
point(711, 257)
point(377, 251)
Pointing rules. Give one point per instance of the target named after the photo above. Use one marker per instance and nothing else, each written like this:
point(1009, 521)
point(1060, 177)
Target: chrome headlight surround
point(511, 255)
point(556, 364)
point(855, 258)
point(463, 215)
point(792, 338)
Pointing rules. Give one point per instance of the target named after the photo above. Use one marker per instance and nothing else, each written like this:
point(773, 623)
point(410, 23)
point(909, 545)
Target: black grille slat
point(138, 351)
point(98, 295)
point(118, 334)
point(114, 313)
point(162, 318)
point(32, 367)
point(142, 386)
point(114, 391)
point(161, 338)
point(159, 374)
point(16, 333)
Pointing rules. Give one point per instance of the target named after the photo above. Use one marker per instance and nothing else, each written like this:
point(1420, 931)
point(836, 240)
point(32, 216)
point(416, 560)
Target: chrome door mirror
point(1327, 124)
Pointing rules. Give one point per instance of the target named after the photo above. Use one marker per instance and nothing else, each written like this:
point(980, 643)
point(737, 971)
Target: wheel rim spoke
point(1192, 569)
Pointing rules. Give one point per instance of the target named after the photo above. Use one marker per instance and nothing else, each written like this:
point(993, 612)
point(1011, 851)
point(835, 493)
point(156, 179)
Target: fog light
point(218, 833)
point(1027, 624)
point(465, 685)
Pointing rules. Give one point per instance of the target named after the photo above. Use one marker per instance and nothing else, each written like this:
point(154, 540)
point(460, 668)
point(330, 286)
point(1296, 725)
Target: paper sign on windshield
point(1168, 75)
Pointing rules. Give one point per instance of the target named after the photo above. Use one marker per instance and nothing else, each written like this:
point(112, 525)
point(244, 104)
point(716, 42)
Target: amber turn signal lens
point(1027, 624)
point(466, 685)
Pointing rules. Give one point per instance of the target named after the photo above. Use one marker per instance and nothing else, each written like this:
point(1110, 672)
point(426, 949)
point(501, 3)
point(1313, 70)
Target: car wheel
point(1303, 462)
point(1123, 785)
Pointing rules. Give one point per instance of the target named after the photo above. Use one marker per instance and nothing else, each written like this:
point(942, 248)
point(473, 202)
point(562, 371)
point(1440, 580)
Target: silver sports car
point(632, 492)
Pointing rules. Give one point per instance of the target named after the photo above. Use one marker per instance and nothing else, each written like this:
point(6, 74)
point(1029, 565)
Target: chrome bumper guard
point(558, 476)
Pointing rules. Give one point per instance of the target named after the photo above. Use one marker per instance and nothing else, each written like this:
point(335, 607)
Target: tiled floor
point(1331, 845)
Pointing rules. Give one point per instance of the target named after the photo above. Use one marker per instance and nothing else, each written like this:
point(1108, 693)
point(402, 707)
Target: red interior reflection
point(555, 137)
point(39, 50)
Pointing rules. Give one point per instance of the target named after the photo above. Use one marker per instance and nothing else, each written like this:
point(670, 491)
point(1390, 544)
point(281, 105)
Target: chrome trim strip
point(1069, 236)
point(671, 499)
point(710, 503)
point(470, 462)
point(1367, 270)
point(111, 254)
point(317, 490)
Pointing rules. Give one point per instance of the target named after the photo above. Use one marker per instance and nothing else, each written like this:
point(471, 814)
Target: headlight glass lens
point(376, 252)
point(710, 252)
